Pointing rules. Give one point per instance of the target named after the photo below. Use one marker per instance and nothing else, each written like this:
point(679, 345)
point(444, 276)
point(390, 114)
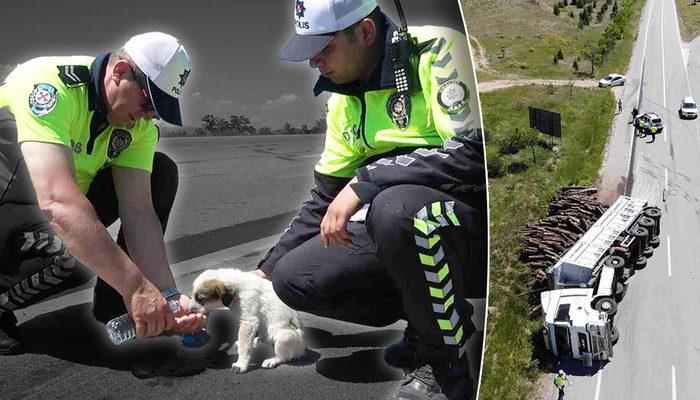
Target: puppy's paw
point(239, 368)
point(271, 362)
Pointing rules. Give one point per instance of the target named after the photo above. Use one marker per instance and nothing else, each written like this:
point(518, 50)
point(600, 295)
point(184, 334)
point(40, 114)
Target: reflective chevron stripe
point(437, 271)
point(59, 267)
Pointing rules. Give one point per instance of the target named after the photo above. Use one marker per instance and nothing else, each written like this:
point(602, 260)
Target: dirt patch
point(490, 86)
point(482, 63)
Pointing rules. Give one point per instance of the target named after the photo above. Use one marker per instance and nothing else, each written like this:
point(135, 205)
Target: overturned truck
point(590, 279)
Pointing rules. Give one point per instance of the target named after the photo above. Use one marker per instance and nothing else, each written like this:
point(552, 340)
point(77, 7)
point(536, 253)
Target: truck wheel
point(615, 262)
point(655, 242)
point(648, 252)
point(620, 291)
point(615, 335)
point(641, 263)
point(605, 304)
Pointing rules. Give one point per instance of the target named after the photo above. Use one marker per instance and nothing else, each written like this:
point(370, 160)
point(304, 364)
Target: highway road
point(658, 354)
point(236, 196)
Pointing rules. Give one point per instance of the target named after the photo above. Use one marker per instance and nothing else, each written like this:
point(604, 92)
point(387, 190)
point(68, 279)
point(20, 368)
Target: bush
point(575, 65)
point(560, 55)
point(556, 9)
point(512, 144)
point(555, 60)
point(494, 162)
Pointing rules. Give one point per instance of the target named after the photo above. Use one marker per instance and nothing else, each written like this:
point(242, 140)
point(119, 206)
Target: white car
point(688, 108)
point(647, 121)
point(612, 80)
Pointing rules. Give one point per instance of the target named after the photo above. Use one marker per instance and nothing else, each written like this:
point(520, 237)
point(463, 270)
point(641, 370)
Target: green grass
point(690, 19)
point(531, 35)
point(519, 198)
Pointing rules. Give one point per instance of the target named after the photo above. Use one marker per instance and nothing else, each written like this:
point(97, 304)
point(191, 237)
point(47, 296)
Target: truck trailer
point(590, 279)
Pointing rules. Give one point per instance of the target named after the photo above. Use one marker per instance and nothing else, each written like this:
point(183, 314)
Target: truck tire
point(649, 251)
point(615, 262)
point(620, 291)
point(652, 212)
point(655, 242)
point(605, 304)
point(615, 335)
point(641, 263)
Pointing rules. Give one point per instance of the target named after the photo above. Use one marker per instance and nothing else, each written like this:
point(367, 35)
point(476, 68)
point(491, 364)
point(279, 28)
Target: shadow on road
point(73, 335)
point(319, 338)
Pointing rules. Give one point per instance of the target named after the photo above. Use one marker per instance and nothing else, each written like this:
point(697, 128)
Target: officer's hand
point(334, 223)
point(186, 322)
point(149, 310)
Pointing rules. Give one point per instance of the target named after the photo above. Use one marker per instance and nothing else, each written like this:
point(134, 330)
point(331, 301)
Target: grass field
point(521, 37)
point(521, 196)
point(690, 18)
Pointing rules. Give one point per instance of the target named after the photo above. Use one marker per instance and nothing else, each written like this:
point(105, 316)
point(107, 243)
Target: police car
point(688, 108)
point(612, 80)
point(648, 122)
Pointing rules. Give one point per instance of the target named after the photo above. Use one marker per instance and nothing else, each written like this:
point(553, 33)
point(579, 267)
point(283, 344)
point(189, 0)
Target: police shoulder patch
point(42, 99)
point(73, 75)
point(453, 95)
point(120, 140)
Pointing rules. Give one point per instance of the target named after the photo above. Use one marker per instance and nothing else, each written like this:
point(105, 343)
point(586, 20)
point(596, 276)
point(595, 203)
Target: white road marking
point(680, 42)
point(663, 60)
point(668, 252)
point(666, 184)
point(673, 382)
point(597, 385)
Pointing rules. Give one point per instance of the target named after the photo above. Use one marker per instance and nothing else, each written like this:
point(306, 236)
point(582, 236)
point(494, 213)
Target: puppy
point(258, 310)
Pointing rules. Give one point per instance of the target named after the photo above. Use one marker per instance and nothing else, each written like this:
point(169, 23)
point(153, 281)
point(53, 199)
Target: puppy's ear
point(225, 294)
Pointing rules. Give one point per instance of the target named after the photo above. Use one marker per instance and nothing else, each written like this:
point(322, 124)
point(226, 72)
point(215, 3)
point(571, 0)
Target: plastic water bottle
point(123, 328)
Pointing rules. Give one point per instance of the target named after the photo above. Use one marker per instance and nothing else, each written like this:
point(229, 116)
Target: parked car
point(612, 80)
point(647, 121)
point(688, 108)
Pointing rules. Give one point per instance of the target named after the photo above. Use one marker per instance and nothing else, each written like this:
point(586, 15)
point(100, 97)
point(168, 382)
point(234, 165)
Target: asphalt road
point(235, 197)
point(657, 356)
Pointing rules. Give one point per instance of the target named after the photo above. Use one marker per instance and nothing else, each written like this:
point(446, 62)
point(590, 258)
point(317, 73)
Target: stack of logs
point(571, 212)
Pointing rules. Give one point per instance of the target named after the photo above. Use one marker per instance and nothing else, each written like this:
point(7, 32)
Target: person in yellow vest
point(403, 138)
point(560, 383)
point(77, 151)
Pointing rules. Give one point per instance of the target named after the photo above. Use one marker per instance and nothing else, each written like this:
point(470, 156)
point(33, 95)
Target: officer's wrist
point(171, 293)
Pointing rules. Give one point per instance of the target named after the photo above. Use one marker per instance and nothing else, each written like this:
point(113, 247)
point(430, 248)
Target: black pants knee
point(434, 248)
point(107, 302)
point(344, 283)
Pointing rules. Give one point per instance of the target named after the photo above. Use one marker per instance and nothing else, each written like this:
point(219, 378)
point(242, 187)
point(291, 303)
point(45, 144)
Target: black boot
point(438, 382)
point(403, 354)
point(9, 334)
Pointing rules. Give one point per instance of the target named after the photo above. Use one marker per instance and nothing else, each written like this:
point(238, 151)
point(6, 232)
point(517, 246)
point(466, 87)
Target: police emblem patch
point(120, 140)
point(453, 95)
point(42, 99)
point(398, 106)
point(300, 9)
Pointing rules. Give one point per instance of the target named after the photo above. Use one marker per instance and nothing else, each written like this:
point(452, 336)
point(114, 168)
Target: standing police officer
point(87, 157)
point(422, 250)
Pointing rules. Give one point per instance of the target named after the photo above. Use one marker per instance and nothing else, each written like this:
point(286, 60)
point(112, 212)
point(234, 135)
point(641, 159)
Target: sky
point(233, 45)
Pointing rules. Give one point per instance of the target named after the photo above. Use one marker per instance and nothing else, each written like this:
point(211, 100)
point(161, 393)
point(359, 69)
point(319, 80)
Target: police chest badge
point(120, 140)
point(42, 99)
point(453, 95)
point(399, 109)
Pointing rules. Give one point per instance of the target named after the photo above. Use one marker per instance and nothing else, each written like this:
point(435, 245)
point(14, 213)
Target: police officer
point(560, 383)
point(82, 131)
point(416, 157)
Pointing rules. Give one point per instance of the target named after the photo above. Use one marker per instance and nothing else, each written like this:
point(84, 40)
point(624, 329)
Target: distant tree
point(208, 122)
point(556, 9)
point(590, 54)
point(560, 55)
point(571, 13)
point(288, 129)
point(241, 124)
point(264, 131)
point(575, 65)
point(555, 60)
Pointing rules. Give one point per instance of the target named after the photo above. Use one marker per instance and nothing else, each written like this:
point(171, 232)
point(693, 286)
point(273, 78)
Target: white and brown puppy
point(258, 310)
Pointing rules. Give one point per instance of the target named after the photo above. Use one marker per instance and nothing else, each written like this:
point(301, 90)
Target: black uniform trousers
point(20, 215)
point(386, 274)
